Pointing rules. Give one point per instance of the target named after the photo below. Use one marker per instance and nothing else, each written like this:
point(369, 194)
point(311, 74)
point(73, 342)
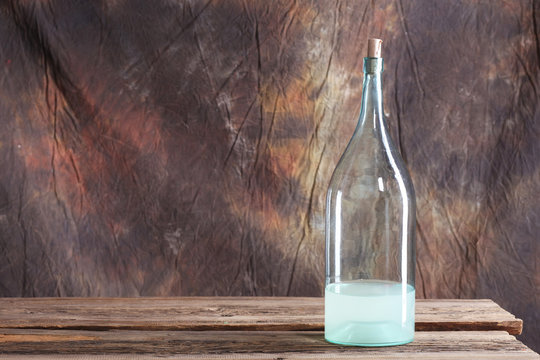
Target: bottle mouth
point(373, 65)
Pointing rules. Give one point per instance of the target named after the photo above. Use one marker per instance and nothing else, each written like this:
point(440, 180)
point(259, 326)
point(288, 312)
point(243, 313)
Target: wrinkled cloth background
point(185, 147)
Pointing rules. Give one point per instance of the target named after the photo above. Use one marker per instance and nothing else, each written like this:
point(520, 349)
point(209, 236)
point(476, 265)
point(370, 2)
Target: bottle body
point(370, 240)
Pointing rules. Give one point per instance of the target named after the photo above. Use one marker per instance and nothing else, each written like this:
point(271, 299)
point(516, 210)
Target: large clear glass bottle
point(370, 232)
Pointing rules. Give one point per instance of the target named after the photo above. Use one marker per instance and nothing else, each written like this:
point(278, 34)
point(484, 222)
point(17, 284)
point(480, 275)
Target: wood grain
point(261, 344)
point(230, 313)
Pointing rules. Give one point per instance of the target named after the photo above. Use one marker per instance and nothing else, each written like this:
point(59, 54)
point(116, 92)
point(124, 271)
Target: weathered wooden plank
point(256, 344)
point(230, 313)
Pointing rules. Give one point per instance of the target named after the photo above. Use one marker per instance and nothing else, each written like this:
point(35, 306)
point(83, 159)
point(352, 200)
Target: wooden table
point(239, 328)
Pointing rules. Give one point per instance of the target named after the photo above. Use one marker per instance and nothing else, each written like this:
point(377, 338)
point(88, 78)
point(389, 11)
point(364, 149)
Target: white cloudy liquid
point(369, 313)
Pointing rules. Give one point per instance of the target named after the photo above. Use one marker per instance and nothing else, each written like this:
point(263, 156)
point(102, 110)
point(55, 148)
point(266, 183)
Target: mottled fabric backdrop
point(185, 147)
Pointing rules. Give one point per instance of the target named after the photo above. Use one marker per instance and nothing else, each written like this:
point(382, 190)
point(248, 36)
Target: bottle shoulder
point(371, 166)
point(369, 158)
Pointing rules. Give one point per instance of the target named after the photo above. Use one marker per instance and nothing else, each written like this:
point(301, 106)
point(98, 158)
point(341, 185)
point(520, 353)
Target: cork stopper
point(374, 48)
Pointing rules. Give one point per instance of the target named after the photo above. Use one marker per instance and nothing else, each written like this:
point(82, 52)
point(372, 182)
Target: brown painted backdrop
point(185, 147)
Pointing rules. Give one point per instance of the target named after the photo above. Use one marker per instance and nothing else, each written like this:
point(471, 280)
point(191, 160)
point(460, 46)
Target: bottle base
point(403, 342)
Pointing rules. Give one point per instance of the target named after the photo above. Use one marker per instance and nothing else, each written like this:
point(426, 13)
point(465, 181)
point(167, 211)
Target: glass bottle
point(370, 231)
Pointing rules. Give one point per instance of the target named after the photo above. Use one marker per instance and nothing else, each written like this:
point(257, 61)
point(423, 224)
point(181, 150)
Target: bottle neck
point(371, 114)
